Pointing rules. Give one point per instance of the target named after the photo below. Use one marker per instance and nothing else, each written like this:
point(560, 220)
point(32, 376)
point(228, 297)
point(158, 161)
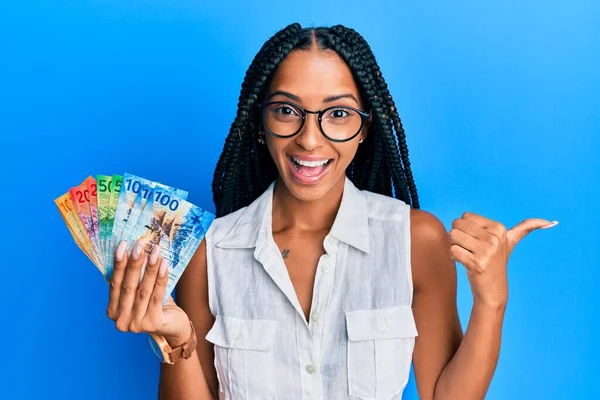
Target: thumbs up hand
point(483, 246)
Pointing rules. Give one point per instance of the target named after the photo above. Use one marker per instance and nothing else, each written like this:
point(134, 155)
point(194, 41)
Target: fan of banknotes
point(103, 211)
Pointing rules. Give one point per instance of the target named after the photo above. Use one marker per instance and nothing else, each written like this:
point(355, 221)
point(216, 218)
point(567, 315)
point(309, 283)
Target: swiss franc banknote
point(174, 224)
point(91, 186)
point(109, 251)
point(102, 211)
point(76, 228)
point(140, 203)
point(104, 187)
point(132, 188)
point(80, 196)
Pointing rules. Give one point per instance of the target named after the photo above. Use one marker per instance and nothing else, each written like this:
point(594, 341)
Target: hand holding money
point(154, 230)
point(136, 305)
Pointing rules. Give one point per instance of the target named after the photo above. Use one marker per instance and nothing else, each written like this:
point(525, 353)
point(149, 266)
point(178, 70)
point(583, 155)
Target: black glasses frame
point(304, 112)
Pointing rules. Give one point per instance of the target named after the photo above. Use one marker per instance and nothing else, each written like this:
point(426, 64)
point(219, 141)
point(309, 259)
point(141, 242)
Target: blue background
point(500, 101)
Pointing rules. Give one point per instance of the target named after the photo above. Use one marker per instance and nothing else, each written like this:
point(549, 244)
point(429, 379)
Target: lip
point(309, 158)
point(307, 180)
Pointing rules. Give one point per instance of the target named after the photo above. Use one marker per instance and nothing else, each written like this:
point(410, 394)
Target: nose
point(310, 136)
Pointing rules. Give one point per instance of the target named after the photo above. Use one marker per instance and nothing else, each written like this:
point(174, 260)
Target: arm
point(470, 372)
point(191, 379)
point(448, 365)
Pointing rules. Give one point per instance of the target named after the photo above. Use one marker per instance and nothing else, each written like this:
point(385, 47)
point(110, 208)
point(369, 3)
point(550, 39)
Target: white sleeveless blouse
point(360, 338)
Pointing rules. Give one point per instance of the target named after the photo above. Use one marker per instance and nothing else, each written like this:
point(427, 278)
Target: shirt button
point(384, 329)
point(325, 268)
point(310, 369)
point(315, 316)
point(236, 336)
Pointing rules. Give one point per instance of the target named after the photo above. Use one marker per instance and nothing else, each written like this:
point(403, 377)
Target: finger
point(155, 306)
point(493, 227)
point(463, 256)
point(464, 240)
point(478, 219)
point(129, 285)
point(146, 286)
point(522, 229)
point(116, 279)
point(470, 227)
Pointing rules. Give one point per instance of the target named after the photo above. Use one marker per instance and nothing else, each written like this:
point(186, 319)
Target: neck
point(290, 213)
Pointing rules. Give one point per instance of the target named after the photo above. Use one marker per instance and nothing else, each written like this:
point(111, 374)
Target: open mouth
point(309, 171)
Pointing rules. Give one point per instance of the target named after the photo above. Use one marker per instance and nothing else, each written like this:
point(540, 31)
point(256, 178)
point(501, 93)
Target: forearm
point(469, 373)
point(183, 380)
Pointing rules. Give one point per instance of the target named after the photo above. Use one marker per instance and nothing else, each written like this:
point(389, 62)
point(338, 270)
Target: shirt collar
point(351, 224)
point(254, 226)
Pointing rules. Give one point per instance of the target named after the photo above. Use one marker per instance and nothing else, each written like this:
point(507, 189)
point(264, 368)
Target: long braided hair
point(245, 169)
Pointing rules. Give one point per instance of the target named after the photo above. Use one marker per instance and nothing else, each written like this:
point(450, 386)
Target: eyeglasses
point(337, 123)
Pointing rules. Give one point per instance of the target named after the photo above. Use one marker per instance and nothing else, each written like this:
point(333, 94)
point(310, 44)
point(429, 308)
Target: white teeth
point(311, 164)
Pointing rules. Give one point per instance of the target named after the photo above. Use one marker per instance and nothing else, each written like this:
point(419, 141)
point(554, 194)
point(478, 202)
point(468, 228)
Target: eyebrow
point(329, 99)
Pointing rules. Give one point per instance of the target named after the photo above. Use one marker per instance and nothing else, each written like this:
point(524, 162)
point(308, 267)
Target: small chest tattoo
point(285, 253)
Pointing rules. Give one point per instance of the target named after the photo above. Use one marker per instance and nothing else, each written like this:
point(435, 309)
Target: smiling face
point(309, 164)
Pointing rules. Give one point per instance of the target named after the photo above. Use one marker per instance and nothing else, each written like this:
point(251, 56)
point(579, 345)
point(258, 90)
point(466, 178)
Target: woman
point(321, 278)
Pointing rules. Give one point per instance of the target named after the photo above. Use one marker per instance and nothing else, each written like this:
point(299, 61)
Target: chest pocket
point(380, 347)
point(244, 357)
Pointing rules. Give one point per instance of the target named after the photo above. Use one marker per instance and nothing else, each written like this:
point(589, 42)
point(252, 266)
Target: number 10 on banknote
point(105, 210)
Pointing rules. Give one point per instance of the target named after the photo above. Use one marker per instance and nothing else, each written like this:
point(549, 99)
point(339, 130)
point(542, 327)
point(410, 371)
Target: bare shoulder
point(426, 226)
point(434, 304)
point(430, 247)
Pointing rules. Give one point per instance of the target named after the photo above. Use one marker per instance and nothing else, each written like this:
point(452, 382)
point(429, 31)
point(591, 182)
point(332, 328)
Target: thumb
point(522, 229)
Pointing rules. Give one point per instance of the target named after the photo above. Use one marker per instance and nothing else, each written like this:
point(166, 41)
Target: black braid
point(381, 164)
point(234, 185)
point(369, 57)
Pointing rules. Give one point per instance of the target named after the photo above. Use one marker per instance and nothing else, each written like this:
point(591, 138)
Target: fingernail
point(550, 225)
point(137, 251)
point(121, 250)
point(163, 267)
point(154, 254)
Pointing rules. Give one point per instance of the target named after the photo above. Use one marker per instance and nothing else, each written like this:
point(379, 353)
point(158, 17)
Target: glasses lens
point(341, 123)
point(282, 119)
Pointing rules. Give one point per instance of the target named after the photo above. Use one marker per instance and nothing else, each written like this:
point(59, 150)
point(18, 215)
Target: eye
point(339, 113)
point(284, 110)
